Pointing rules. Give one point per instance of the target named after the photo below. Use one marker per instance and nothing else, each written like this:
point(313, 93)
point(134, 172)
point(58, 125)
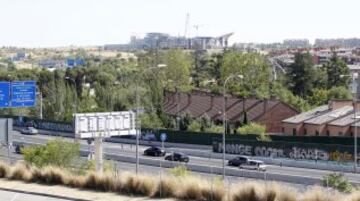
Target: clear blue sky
point(41, 23)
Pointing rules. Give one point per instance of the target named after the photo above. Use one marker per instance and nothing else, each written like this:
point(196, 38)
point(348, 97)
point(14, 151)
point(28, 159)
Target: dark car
point(178, 157)
point(238, 160)
point(154, 151)
point(18, 148)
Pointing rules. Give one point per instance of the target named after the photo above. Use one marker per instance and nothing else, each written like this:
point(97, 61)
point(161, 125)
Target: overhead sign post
point(100, 125)
point(163, 138)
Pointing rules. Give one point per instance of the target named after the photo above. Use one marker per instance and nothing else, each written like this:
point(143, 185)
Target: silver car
point(254, 165)
point(29, 131)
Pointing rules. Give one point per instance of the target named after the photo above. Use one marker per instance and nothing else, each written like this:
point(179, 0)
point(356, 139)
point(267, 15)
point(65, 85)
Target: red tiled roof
point(197, 104)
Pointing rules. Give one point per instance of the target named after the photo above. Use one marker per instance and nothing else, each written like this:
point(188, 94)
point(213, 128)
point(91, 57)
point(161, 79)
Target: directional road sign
point(23, 94)
point(4, 94)
point(163, 137)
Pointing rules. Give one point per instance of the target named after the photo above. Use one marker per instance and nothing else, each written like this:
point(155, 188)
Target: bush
point(57, 153)
point(194, 126)
point(180, 171)
point(337, 181)
point(4, 170)
point(257, 129)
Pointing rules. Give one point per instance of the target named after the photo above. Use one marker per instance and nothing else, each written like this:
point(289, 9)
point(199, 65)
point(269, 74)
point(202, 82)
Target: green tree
point(301, 75)
point(336, 67)
point(255, 69)
point(179, 64)
point(339, 92)
point(56, 153)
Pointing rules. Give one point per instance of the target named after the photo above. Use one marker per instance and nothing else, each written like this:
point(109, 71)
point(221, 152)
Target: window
point(305, 132)
point(317, 133)
point(283, 130)
point(352, 134)
point(294, 131)
point(340, 133)
point(328, 133)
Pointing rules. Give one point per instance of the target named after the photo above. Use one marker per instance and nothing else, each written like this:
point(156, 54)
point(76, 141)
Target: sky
point(51, 23)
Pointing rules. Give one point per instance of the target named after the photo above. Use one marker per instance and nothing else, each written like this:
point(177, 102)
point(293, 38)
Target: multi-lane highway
point(128, 150)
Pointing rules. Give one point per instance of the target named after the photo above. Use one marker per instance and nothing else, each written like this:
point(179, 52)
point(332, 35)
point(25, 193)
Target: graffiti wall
point(288, 150)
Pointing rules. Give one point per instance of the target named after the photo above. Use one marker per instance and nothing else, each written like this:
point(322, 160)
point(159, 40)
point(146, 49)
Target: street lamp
point(354, 76)
point(138, 125)
point(224, 117)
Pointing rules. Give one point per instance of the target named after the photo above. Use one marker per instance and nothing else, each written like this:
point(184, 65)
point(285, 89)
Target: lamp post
point(138, 122)
point(224, 118)
point(354, 76)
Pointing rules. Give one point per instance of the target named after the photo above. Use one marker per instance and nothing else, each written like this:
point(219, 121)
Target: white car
point(29, 131)
point(254, 165)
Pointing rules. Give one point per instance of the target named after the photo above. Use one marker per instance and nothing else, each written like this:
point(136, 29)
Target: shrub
point(337, 181)
point(55, 153)
point(180, 171)
point(166, 188)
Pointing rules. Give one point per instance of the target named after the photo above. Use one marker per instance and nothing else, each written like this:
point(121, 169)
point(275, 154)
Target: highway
point(128, 150)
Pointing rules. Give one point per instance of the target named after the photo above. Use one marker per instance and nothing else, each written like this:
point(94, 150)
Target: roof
point(330, 116)
point(198, 104)
point(307, 115)
point(344, 121)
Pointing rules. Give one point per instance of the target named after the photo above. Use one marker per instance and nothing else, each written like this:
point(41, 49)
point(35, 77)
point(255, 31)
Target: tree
point(179, 66)
point(255, 69)
point(336, 67)
point(301, 74)
point(339, 93)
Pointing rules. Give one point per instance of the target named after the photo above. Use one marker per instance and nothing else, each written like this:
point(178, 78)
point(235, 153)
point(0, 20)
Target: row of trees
point(109, 84)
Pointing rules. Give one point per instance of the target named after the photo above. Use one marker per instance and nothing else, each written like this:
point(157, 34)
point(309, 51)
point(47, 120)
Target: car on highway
point(29, 131)
point(154, 151)
point(148, 137)
point(254, 165)
point(238, 161)
point(176, 156)
point(18, 148)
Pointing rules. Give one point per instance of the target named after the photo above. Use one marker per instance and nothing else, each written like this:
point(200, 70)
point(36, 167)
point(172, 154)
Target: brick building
point(267, 112)
point(335, 119)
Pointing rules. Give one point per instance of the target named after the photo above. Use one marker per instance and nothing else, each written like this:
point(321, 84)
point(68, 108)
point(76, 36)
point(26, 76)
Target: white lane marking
point(15, 196)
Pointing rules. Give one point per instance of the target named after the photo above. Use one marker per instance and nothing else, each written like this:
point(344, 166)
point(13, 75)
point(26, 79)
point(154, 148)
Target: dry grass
point(4, 170)
point(320, 194)
point(142, 185)
point(184, 188)
point(20, 172)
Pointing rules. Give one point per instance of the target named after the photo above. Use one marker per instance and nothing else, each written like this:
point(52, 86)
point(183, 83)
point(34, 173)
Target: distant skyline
point(50, 23)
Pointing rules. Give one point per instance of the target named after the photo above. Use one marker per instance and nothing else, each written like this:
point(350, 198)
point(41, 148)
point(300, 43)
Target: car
point(18, 148)
point(238, 161)
point(148, 137)
point(29, 131)
point(154, 151)
point(176, 156)
point(254, 165)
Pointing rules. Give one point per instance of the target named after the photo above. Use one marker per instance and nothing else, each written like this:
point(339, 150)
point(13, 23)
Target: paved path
point(19, 191)
point(17, 196)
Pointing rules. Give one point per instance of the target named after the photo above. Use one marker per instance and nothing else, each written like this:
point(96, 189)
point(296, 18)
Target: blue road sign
point(70, 62)
point(4, 94)
point(23, 94)
point(163, 137)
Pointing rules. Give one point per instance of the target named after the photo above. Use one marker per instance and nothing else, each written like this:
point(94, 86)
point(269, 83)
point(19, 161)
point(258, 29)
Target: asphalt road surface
point(129, 150)
point(15, 196)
